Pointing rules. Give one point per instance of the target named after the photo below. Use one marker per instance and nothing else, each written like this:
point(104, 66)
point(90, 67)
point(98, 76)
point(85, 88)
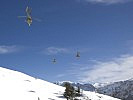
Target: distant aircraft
point(28, 16)
point(78, 55)
point(54, 60)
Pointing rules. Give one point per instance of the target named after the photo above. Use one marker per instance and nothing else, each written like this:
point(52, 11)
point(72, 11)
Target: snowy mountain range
point(86, 87)
point(18, 86)
point(121, 89)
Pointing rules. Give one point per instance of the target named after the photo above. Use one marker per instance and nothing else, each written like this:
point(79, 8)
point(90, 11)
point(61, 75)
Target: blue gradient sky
point(100, 31)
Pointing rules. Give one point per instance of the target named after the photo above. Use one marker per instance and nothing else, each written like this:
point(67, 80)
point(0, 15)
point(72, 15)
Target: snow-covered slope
point(18, 86)
point(121, 89)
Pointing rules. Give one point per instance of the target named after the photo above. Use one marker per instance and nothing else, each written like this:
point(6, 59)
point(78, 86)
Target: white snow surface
point(98, 85)
point(18, 86)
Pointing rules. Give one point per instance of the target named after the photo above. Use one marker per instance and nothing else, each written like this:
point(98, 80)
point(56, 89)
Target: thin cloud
point(60, 75)
point(107, 1)
point(109, 71)
point(8, 49)
point(55, 50)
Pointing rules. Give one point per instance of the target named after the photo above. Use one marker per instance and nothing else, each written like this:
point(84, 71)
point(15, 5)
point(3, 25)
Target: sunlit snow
point(18, 86)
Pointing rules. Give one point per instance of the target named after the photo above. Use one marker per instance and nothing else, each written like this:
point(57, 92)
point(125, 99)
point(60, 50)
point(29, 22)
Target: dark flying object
point(54, 60)
point(78, 55)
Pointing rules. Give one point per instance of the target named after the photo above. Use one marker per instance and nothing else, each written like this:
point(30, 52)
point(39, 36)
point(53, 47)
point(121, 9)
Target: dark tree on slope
point(69, 93)
point(78, 93)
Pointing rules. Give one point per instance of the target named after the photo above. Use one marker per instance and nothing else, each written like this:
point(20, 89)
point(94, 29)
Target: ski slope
point(18, 86)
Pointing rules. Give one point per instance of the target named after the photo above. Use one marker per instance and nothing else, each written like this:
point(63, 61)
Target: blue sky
point(101, 30)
